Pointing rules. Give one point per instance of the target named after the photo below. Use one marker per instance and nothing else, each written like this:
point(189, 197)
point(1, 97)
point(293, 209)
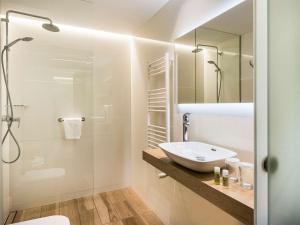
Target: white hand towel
point(72, 127)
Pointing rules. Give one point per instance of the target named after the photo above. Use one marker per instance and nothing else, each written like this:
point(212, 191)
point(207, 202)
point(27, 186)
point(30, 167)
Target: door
point(282, 115)
point(284, 112)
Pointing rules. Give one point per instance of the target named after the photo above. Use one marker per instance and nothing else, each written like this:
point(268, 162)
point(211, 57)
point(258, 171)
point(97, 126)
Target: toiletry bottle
point(217, 175)
point(225, 178)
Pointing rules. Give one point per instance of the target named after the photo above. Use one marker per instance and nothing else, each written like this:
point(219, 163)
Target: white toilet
point(50, 220)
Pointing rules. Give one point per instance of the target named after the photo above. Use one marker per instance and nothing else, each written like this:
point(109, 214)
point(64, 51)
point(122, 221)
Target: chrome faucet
point(186, 124)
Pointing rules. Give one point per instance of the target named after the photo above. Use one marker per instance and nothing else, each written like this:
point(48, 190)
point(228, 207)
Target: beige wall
point(186, 75)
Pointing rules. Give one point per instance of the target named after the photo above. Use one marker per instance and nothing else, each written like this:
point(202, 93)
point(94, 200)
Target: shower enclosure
point(77, 72)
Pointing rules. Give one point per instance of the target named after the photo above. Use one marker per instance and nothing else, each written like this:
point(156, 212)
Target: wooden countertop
point(234, 200)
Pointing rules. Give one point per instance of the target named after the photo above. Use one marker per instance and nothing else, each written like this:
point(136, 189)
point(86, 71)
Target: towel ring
point(60, 119)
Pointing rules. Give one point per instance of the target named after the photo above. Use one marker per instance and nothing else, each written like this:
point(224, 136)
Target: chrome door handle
point(270, 164)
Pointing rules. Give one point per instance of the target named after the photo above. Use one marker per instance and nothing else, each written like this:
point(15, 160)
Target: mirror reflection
point(215, 61)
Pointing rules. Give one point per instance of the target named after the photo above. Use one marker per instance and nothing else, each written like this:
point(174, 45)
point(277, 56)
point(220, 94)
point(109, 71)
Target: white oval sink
point(197, 156)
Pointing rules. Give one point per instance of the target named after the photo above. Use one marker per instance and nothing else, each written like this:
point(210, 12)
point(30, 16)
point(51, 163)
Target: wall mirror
point(214, 62)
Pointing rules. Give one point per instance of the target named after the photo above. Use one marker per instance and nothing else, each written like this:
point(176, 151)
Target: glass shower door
point(284, 112)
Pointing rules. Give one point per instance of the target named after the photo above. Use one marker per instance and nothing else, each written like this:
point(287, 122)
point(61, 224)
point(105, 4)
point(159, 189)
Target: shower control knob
point(18, 120)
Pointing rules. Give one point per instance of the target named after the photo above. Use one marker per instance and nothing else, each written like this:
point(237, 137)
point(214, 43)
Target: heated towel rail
point(158, 129)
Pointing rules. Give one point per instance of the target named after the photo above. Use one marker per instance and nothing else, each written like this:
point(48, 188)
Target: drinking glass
point(246, 175)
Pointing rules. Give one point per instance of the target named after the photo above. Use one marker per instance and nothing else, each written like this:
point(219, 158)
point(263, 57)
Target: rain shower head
point(213, 62)
point(50, 27)
point(17, 40)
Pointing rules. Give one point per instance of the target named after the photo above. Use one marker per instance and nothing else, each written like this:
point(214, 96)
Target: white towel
point(72, 127)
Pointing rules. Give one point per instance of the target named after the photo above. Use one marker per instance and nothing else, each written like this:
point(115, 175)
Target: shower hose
point(9, 119)
point(219, 88)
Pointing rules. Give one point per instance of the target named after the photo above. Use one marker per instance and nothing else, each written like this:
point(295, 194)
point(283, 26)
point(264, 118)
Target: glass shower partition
point(50, 77)
point(76, 72)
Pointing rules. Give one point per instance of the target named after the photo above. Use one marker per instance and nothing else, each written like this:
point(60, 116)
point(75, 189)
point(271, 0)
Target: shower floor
point(120, 207)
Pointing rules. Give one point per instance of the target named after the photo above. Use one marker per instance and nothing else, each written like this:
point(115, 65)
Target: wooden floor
point(120, 207)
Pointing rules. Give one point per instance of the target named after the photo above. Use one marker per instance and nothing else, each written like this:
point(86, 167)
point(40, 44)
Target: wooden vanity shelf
point(234, 200)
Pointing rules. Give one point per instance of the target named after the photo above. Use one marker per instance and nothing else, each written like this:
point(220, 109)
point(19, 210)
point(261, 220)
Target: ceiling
point(238, 20)
point(123, 16)
point(205, 36)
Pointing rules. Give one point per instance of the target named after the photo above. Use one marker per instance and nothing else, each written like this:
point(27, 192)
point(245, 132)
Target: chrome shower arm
point(25, 14)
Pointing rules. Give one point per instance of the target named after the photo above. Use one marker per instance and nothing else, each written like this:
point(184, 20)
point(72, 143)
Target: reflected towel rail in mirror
point(62, 119)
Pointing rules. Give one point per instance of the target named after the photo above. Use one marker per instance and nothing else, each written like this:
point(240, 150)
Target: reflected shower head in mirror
point(196, 50)
point(17, 40)
point(213, 62)
point(50, 27)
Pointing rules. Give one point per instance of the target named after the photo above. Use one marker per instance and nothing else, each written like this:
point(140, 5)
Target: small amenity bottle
point(217, 175)
point(225, 178)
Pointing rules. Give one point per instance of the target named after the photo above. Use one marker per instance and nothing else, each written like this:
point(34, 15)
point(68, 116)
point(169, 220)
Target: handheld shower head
point(213, 62)
point(16, 41)
point(50, 27)
point(27, 39)
point(219, 79)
